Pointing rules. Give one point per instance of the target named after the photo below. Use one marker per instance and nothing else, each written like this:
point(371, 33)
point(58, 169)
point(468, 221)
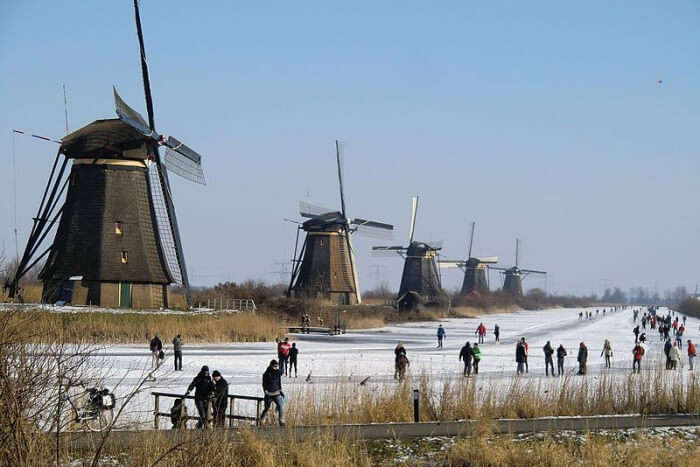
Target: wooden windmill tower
point(325, 267)
point(475, 269)
point(117, 241)
point(420, 280)
point(513, 276)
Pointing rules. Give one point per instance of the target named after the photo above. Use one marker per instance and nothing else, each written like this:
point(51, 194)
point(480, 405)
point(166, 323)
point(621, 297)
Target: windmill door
point(125, 295)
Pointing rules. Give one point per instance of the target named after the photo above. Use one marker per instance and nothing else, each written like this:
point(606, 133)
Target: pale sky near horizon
point(538, 120)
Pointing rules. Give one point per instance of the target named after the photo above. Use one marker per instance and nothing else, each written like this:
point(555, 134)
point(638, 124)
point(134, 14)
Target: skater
point(398, 351)
point(283, 355)
point(691, 354)
point(481, 331)
point(561, 353)
point(580, 315)
point(476, 351)
point(607, 352)
point(293, 353)
point(272, 387)
point(402, 365)
point(527, 352)
point(440, 335)
point(582, 358)
point(679, 336)
point(667, 352)
point(156, 347)
point(520, 356)
point(638, 353)
point(466, 355)
point(548, 362)
point(497, 333)
point(675, 354)
point(177, 350)
point(220, 399)
point(203, 387)
point(643, 338)
point(636, 333)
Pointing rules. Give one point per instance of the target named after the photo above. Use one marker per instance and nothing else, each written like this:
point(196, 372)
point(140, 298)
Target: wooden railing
point(230, 410)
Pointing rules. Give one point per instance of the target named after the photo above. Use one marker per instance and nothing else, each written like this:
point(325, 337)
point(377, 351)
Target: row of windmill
point(117, 241)
point(325, 266)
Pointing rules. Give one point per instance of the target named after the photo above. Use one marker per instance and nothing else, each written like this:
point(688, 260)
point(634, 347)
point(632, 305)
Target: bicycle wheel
point(102, 420)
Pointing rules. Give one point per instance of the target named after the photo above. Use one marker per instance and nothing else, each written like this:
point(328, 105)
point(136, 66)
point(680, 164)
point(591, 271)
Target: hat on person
point(273, 362)
point(205, 368)
point(216, 373)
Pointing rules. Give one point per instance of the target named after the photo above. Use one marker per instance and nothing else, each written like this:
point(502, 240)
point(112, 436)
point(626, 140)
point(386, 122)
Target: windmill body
point(326, 267)
point(420, 279)
point(475, 269)
point(513, 276)
point(107, 246)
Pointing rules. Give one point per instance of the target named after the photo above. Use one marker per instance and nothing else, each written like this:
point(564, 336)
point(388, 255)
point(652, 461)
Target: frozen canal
point(349, 358)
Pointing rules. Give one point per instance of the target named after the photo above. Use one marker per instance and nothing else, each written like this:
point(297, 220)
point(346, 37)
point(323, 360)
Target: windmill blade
point(471, 241)
point(532, 271)
point(388, 251)
point(312, 211)
point(183, 149)
point(131, 117)
point(498, 268)
point(391, 248)
point(451, 264)
point(183, 166)
point(339, 158)
point(372, 232)
point(373, 224)
point(435, 245)
point(414, 210)
point(488, 259)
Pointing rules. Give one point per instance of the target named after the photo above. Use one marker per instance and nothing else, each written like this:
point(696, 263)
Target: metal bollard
point(416, 405)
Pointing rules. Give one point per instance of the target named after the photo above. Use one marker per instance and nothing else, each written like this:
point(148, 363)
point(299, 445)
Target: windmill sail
point(165, 231)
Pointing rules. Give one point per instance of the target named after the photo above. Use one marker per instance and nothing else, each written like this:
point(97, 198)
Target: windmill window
point(125, 257)
point(321, 243)
point(118, 229)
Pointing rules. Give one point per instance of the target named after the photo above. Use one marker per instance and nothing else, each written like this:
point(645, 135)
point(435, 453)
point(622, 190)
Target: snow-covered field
point(349, 358)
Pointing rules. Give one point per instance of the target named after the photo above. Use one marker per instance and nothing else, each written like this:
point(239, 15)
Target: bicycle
point(96, 413)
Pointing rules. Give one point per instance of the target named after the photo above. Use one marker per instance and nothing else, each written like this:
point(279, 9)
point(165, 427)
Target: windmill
point(325, 267)
point(420, 280)
point(475, 277)
point(117, 241)
point(513, 276)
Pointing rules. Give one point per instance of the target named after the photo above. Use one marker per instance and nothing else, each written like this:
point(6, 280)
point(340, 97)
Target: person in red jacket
point(481, 331)
point(283, 355)
point(691, 354)
point(638, 353)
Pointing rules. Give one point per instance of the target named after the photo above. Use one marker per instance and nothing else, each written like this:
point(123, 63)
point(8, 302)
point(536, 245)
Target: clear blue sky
point(542, 120)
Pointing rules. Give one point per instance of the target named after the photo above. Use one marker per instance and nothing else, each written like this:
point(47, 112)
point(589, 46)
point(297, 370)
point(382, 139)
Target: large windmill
point(117, 241)
point(420, 280)
point(475, 277)
point(325, 267)
point(513, 276)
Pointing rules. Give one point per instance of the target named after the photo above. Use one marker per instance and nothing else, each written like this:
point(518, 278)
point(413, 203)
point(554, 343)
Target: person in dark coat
point(497, 332)
point(520, 356)
point(398, 351)
point(272, 387)
point(548, 362)
point(466, 355)
point(177, 350)
point(220, 398)
point(582, 358)
point(293, 354)
point(203, 388)
point(440, 336)
point(667, 352)
point(561, 353)
point(156, 346)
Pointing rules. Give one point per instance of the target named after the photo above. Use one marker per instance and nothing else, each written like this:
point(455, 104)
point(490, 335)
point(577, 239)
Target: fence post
point(230, 420)
point(156, 411)
point(257, 412)
point(416, 405)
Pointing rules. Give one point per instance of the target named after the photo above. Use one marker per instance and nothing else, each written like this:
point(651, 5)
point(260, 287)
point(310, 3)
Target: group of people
point(287, 354)
point(158, 355)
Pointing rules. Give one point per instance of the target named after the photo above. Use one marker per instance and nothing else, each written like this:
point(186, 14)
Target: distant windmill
point(326, 267)
point(512, 282)
point(475, 279)
point(420, 280)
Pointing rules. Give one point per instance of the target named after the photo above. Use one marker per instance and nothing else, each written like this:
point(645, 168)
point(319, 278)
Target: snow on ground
point(348, 358)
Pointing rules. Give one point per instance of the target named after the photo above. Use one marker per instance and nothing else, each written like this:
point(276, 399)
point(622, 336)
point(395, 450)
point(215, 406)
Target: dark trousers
point(178, 360)
point(439, 342)
point(220, 414)
point(201, 405)
point(560, 366)
point(497, 336)
point(467, 368)
point(293, 365)
point(283, 365)
point(636, 366)
point(476, 366)
point(481, 338)
point(607, 361)
point(548, 363)
point(582, 367)
point(279, 402)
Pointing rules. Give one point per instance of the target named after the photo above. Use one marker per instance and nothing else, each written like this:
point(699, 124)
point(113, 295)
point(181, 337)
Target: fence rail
point(230, 414)
point(228, 304)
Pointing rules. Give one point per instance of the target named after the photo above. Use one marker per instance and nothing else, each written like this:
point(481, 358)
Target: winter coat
point(476, 350)
point(667, 348)
point(582, 354)
point(400, 349)
point(221, 394)
point(156, 345)
point(466, 354)
point(607, 350)
point(203, 386)
point(283, 349)
point(675, 354)
point(496, 330)
point(177, 344)
point(272, 382)
point(638, 352)
point(441, 332)
point(520, 353)
point(548, 351)
point(293, 352)
point(561, 353)
point(691, 350)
